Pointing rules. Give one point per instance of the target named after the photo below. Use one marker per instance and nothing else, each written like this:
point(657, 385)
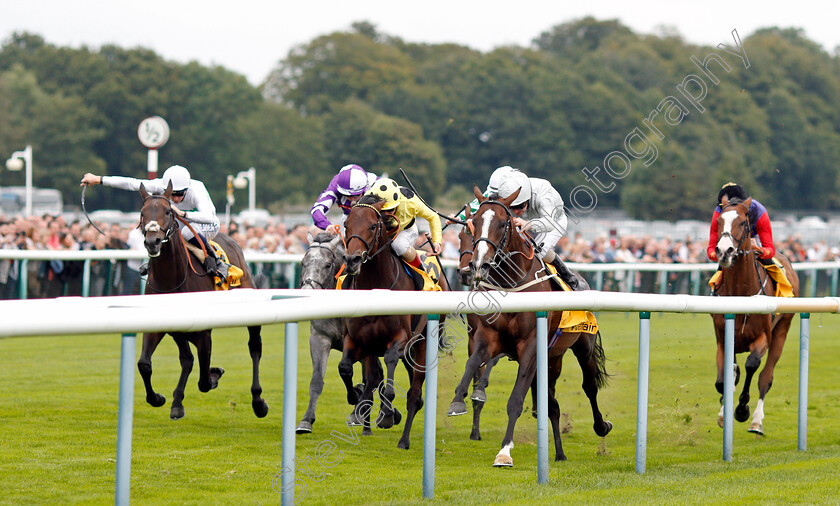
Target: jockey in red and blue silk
point(345, 188)
point(759, 220)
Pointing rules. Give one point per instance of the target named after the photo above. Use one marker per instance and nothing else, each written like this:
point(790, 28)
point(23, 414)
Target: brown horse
point(741, 274)
point(503, 259)
point(171, 270)
point(371, 265)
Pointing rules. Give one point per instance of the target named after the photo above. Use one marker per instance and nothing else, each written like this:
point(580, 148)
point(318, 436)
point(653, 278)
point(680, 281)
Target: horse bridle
point(376, 239)
point(505, 238)
point(173, 226)
point(311, 282)
point(745, 236)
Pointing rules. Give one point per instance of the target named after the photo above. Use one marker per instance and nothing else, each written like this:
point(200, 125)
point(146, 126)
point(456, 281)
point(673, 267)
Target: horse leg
point(590, 356)
point(765, 379)
point(554, 413)
point(208, 377)
point(185, 356)
point(144, 365)
point(524, 378)
point(482, 380)
point(319, 351)
point(386, 390)
point(345, 370)
point(483, 335)
point(373, 378)
point(255, 348)
point(742, 410)
point(414, 399)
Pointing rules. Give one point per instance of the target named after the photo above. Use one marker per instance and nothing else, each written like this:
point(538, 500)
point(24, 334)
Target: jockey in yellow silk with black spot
point(401, 208)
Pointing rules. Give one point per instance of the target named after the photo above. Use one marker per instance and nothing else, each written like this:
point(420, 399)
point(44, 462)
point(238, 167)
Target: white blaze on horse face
point(152, 226)
point(725, 241)
point(481, 250)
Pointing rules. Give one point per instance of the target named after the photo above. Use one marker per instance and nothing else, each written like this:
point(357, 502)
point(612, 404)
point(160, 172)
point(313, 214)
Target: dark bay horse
point(320, 264)
point(372, 265)
point(172, 270)
point(503, 259)
point(741, 274)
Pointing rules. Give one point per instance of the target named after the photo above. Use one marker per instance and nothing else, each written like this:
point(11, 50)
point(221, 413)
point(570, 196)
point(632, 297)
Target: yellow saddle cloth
point(776, 271)
point(574, 321)
point(430, 281)
point(235, 274)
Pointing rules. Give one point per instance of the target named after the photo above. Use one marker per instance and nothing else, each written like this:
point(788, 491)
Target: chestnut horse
point(741, 274)
point(503, 259)
point(371, 264)
point(171, 270)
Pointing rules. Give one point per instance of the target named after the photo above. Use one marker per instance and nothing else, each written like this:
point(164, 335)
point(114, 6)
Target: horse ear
point(507, 200)
point(748, 203)
point(309, 237)
point(467, 213)
point(481, 198)
point(168, 192)
point(143, 192)
point(724, 201)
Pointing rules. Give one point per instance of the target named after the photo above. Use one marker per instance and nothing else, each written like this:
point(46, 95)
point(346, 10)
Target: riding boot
point(212, 264)
point(566, 275)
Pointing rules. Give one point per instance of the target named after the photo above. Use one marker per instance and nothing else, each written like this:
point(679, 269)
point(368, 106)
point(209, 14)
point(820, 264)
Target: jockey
point(545, 219)
point(190, 201)
point(345, 188)
point(402, 204)
point(759, 220)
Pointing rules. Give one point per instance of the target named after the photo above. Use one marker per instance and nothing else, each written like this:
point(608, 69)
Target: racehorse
point(504, 260)
point(741, 274)
point(319, 267)
point(371, 264)
point(171, 270)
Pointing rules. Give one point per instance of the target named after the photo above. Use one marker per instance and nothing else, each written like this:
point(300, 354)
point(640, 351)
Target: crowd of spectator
point(110, 277)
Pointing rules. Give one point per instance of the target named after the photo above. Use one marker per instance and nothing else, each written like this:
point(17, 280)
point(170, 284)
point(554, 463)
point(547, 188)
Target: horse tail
point(601, 376)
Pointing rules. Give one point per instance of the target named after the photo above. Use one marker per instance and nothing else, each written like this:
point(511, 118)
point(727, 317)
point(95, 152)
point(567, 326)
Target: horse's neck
point(742, 278)
point(517, 268)
point(169, 267)
point(379, 271)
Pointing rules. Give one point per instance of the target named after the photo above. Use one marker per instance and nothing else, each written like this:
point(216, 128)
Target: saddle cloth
point(430, 282)
point(235, 274)
point(776, 272)
point(573, 321)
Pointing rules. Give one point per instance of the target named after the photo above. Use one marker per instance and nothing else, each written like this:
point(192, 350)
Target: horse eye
point(373, 227)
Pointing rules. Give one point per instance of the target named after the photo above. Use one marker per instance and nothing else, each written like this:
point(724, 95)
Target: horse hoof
point(606, 427)
point(742, 412)
point(475, 435)
point(367, 432)
point(304, 427)
point(756, 428)
point(397, 416)
point(478, 395)
point(157, 401)
point(503, 461)
point(354, 420)
point(404, 444)
point(385, 421)
point(720, 421)
point(215, 374)
point(261, 409)
point(457, 408)
point(176, 413)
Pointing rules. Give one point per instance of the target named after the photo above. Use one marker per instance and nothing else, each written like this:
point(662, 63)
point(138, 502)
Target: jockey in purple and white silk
point(346, 187)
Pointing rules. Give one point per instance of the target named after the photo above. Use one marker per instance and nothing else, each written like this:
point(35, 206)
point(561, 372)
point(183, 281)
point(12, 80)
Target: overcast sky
point(251, 36)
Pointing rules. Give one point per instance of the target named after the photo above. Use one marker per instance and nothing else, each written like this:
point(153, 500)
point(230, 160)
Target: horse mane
point(322, 237)
point(370, 199)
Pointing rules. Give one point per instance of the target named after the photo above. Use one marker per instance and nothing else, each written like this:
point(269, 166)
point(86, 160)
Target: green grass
point(58, 416)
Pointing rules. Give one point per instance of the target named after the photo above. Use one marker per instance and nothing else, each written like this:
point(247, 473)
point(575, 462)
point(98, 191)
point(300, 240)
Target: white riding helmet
point(179, 176)
point(497, 177)
point(514, 181)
